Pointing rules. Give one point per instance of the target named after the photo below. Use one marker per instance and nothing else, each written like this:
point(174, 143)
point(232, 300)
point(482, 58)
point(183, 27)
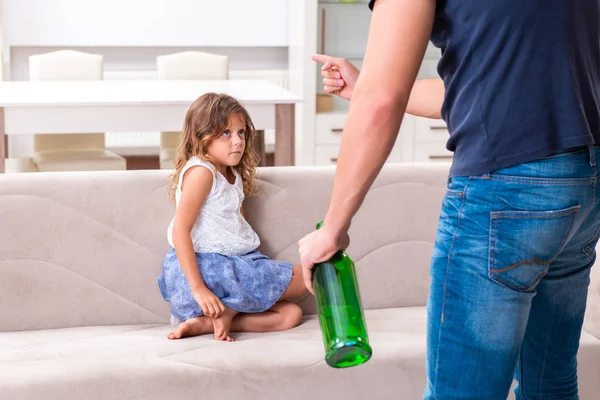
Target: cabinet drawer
point(326, 155)
point(430, 130)
point(432, 152)
point(329, 128)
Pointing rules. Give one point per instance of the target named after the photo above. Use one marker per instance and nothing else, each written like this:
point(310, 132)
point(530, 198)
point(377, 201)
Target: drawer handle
point(334, 159)
point(440, 157)
point(438, 128)
point(337, 130)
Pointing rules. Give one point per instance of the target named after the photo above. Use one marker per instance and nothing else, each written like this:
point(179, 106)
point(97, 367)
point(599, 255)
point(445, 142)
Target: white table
point(28, 107)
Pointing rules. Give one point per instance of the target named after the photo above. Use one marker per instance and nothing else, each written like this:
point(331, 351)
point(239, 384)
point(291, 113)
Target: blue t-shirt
point(522, 79)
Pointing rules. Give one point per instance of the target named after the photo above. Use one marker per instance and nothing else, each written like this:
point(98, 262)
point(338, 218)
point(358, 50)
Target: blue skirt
point(250, 283)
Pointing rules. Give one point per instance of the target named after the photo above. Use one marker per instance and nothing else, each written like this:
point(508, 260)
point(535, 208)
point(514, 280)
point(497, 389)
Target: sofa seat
point(138, 361)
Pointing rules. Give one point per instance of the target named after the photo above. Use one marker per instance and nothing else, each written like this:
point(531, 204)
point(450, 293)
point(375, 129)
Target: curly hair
point(205, 120)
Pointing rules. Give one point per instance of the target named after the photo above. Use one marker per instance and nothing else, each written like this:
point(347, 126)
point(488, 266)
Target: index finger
point(322, 58)
point(326, 60)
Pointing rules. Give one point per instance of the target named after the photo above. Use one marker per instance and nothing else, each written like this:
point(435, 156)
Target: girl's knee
point(291, 315)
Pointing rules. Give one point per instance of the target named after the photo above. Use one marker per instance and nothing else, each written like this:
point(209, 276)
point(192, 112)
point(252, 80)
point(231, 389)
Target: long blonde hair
point(205, 120)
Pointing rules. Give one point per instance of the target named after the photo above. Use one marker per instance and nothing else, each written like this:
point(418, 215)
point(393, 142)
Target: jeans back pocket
point(524, 243)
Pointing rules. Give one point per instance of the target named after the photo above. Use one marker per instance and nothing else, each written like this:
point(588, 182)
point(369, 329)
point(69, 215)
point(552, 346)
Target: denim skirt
point(250, 283)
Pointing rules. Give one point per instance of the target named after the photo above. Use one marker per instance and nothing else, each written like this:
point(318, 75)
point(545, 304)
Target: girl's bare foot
point(192, 327)
point(222, 325)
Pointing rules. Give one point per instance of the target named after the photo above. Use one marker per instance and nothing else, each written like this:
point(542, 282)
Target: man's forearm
point(366, 144)
point(426, 98)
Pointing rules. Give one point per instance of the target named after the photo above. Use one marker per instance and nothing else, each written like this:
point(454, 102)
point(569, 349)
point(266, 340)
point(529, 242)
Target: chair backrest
point(192, 65)
point(189, 65)
point(67, 65)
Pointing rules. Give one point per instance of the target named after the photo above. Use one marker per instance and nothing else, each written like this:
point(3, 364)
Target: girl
point(213, 276)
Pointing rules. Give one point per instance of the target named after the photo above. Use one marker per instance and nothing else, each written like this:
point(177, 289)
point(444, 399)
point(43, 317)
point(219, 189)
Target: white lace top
point(219, 226)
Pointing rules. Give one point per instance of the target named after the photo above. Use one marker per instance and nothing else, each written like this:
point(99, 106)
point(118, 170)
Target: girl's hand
point(210, 304)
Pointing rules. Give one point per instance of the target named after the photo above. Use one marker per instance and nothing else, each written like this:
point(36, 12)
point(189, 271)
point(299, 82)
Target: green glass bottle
point(340, 312)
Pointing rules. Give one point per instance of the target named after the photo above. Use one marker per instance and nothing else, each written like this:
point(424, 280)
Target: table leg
point(3, 142)
point(285, 136)
point(259, 147)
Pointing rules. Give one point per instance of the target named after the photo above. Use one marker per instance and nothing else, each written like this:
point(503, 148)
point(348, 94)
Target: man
point(521, 216)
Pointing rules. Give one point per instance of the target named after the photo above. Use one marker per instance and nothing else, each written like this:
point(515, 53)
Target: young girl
point(213, 276)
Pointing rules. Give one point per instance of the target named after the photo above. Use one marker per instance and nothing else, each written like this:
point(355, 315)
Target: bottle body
point(340, 312)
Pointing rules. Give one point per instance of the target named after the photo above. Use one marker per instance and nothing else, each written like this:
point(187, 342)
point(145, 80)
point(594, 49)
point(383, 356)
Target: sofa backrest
point(85, 248)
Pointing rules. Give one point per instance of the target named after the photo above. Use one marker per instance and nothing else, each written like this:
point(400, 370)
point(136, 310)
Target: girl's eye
point(242, 134)
point(226, 133)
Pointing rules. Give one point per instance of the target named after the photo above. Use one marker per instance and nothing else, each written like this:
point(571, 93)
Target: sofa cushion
point(138, 361)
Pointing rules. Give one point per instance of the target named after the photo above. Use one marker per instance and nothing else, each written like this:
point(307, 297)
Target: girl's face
point(228, 147)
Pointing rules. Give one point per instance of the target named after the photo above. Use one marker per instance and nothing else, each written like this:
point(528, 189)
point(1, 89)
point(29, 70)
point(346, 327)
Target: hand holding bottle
point(319, 246)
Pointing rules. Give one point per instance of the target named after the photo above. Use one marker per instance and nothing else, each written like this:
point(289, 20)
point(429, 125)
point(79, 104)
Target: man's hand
point(210, 304)
point(339, 75)
point(317, 247)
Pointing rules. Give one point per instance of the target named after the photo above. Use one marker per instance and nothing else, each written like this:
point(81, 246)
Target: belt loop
point(592, 151)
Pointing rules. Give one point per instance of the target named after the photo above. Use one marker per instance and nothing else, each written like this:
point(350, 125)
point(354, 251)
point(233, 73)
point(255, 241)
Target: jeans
point(510, 272)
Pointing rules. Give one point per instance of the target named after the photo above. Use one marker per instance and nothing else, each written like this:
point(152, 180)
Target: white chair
point(181, 66)
point(20, 165)
point(71, 152)
point(189, 65)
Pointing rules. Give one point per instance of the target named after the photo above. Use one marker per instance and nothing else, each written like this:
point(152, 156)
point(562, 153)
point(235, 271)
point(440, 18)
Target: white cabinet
point(419, 139)
point(431, 152)
point(326, 154)
point(430, 136)
point(342, 31)
point(329, 128)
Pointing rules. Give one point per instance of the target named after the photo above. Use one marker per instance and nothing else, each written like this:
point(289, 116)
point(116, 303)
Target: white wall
point(146, 22)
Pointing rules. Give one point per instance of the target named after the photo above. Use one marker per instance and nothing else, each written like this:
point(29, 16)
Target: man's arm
point(340, 77)
point(426, 98)
point(398, 37)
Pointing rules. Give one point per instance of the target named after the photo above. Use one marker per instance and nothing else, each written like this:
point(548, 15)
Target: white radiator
point(152, 139)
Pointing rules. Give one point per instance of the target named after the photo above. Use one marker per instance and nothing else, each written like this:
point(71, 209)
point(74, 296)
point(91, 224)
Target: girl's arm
point(398, 37)
point(196, 185)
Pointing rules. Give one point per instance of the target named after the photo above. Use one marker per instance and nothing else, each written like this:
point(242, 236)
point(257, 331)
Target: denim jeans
point(510, 272)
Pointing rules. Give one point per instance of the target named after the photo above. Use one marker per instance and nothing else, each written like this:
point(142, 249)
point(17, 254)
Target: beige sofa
point(81, 316)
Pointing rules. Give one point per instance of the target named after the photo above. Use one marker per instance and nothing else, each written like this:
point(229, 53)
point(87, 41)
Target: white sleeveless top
point(219, 226)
